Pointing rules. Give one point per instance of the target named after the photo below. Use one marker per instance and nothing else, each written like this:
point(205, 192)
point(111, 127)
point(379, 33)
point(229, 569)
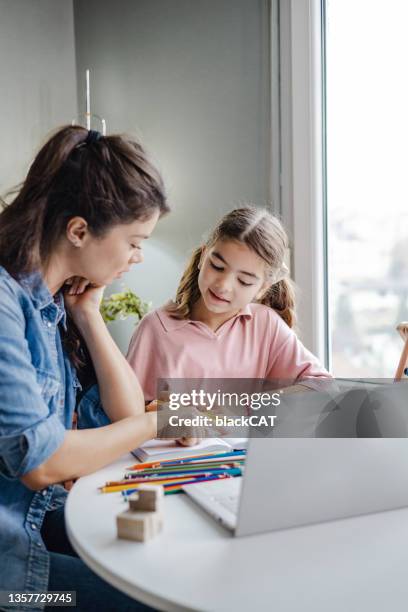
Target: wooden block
point(147, 497)
point(139, 526)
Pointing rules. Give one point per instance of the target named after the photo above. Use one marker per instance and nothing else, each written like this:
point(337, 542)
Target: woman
point(77, 223)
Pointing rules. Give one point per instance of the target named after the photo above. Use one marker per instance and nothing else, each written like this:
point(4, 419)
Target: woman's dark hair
point(107, 181)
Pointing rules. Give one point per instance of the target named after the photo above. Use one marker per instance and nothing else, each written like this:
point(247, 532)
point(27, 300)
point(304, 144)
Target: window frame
point(302, 161)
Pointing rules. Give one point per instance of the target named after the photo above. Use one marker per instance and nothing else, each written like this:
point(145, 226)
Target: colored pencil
point(125, 487)
point(233, 456)
point(182, 469)
point(171, 476)
point(188, 466)
point(221, 455)
point(177, 485)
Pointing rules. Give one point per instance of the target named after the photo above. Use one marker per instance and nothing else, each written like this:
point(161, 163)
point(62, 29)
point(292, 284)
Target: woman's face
point(102, 260)
point(231, 276)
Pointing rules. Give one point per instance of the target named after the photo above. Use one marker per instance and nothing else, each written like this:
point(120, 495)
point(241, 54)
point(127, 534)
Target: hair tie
point(93, 136)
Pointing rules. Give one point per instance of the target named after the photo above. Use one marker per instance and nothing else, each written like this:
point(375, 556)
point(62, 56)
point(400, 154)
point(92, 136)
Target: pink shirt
point(256, 343)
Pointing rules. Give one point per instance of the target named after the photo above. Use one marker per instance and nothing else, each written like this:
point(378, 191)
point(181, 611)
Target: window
point(367, 187)
point(343, 167)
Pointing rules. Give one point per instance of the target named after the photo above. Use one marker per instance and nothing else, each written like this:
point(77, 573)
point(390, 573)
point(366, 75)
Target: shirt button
point(33, 526)
point(44, 492)
point(39, 544)
point(49, 324)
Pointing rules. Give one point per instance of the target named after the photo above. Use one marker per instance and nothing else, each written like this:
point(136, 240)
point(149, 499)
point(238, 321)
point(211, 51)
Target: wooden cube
point(139, 526)
point(147, 497)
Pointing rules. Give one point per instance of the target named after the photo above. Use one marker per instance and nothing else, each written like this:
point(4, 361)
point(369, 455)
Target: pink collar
point(170, 323)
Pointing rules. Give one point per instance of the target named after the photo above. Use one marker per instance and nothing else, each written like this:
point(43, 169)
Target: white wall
point(38, 79)
point(191, 80)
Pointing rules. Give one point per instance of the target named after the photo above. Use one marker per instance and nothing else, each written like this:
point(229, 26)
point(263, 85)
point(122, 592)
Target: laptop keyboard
point(217, 497)
point(229, 503)
point(227, 495)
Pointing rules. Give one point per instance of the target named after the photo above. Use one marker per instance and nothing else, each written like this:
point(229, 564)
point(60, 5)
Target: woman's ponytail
point(107, 180)
point(22, 222)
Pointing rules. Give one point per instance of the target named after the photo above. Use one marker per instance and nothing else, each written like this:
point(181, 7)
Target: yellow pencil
point(134, 485)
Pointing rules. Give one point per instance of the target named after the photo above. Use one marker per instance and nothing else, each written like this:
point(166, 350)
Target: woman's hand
point(81, 297)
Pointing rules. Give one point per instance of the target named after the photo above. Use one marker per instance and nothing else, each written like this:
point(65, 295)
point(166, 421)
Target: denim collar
point(40, 295)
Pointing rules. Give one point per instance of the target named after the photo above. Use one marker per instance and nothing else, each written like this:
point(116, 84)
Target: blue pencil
point(197, 458)
point(207, 465)
point(175, 472)
point(234, 453)
point(176, 484)
point(154, 478)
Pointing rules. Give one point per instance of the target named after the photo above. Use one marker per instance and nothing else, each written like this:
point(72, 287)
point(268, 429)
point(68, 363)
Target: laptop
point(290, 482)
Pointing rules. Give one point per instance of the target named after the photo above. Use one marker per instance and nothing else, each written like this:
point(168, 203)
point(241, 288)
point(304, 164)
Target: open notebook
point(169, 449)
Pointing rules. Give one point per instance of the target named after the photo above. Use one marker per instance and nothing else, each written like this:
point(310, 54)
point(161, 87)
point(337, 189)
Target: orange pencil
point(134, 485)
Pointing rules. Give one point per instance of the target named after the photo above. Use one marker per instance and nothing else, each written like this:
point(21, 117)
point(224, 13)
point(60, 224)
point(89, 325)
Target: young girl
point(77, 223)
point(233, 314)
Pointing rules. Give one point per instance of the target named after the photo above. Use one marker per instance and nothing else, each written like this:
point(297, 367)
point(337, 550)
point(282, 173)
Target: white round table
point(353, 565)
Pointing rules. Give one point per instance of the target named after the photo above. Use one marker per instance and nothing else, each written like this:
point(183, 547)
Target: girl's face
point(231, 276)
point(102, 260)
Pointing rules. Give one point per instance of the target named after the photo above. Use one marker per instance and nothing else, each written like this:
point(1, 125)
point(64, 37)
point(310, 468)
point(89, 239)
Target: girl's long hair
point(264, 234)
point(107, 181)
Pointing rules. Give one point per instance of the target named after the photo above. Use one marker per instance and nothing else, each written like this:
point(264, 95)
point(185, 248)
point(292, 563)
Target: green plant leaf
point(122, 305)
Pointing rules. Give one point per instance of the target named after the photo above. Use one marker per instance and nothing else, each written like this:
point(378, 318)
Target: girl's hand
point(187, 441)
point(186, 434)
point(153, 407)
point(81, 297)
point(194, 434)
point(158, 402)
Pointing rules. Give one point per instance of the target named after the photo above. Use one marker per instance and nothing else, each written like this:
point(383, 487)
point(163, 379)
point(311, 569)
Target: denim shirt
point(38, 389)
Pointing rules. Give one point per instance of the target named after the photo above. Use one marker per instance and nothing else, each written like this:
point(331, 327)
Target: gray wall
point(191, 80)
point(37, 76)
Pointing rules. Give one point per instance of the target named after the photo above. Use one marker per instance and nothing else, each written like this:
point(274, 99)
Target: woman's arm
point(85, 451)
point(119, 388)
point(34, 445)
